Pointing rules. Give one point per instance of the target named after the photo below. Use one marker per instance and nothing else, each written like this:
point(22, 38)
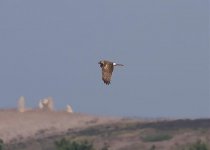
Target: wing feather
point(107, 73)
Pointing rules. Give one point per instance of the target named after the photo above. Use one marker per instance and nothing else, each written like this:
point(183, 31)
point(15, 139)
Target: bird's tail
point(118, 64)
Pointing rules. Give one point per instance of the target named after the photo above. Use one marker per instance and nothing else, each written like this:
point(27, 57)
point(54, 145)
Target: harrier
point(107, 69)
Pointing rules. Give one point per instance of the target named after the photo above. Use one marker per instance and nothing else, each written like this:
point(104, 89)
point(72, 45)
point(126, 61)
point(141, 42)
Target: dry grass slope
point(15, 125)
point(38, 130)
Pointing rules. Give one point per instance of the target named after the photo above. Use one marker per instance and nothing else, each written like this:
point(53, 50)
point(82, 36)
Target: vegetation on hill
point(1, 144)
point(126, 134)
point(65, 144)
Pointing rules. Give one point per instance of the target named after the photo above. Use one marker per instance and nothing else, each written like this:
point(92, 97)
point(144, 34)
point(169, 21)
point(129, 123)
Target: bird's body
point(107, 69)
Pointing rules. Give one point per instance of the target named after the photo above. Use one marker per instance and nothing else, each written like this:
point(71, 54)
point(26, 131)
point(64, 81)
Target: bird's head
point(101, 63)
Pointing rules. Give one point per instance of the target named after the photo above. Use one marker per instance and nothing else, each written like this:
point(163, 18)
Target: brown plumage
point(107, 69)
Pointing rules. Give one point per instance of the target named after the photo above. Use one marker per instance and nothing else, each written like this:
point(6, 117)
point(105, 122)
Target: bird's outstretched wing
point(107, 70)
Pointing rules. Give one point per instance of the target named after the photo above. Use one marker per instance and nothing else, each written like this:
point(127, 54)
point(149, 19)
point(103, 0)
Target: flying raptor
point(107, 69)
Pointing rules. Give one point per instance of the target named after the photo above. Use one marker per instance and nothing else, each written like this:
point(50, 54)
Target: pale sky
point(52, 48)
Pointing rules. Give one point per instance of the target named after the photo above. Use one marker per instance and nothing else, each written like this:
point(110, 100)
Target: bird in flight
point(107, 69)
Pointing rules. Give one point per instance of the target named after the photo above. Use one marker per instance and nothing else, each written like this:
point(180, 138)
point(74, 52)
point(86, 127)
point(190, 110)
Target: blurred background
point(52, 48)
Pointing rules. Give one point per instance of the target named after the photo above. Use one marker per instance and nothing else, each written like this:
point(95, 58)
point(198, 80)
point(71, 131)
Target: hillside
point(15, 125)
point(37, 130)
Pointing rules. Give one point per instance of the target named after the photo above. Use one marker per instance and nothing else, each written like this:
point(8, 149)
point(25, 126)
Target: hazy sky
point(52, 48)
